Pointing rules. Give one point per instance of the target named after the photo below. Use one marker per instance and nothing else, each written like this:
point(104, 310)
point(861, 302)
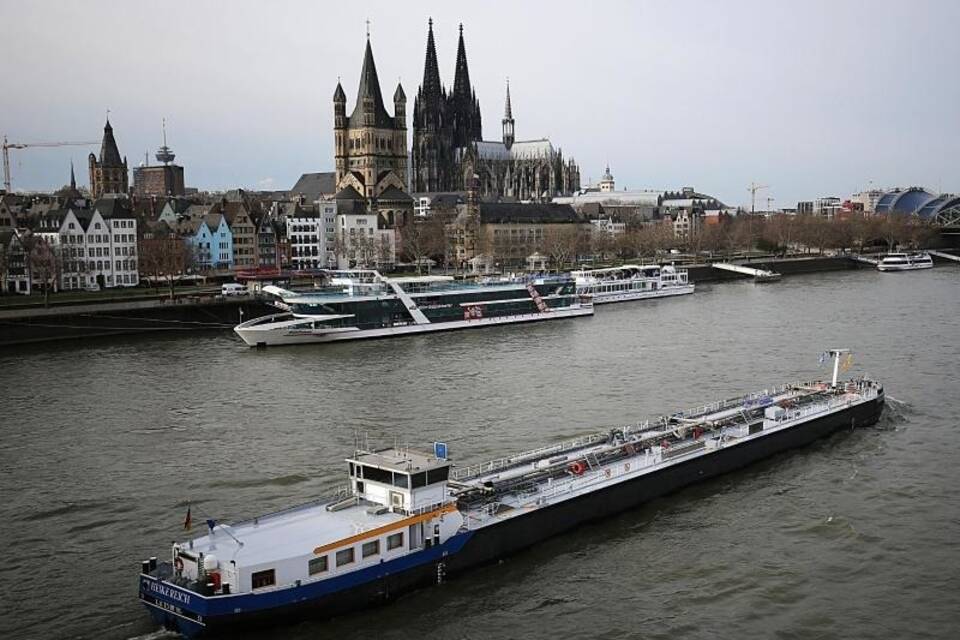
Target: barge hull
point(514, 534)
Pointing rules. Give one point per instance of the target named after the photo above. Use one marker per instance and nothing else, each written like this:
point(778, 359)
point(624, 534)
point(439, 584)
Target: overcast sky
point(812, 98)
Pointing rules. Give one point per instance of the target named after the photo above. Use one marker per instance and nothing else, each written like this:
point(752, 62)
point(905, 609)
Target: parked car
point(233, 289)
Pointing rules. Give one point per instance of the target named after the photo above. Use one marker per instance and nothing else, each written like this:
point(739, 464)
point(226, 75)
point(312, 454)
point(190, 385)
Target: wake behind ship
point(365, 304)
point(408, 519)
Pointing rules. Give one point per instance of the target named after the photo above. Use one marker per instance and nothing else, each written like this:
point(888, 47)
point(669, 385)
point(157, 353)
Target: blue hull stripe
point(188, 602)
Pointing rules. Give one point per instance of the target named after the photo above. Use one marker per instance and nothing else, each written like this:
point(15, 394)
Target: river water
point(856, 536)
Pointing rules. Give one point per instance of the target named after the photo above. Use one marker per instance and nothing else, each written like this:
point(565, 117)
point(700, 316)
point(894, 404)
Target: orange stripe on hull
point(379, 531)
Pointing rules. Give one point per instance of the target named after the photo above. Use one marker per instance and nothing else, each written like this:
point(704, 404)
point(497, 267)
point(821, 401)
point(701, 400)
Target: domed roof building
point(943, 209)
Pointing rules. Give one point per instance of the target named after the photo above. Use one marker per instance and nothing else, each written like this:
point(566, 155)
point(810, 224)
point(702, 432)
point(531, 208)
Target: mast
point(836, 353)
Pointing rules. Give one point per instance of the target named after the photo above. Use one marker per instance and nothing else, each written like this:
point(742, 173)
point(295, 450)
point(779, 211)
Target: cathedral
point(448, 146)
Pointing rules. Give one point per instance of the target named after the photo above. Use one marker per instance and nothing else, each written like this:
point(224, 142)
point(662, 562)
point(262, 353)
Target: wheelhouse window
point(317, 565)
point(371, 548)
point(395, 541)
point(345, 556)
point(261, 579)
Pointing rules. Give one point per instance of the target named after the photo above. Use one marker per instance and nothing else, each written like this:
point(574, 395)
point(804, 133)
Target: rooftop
point(403, 460)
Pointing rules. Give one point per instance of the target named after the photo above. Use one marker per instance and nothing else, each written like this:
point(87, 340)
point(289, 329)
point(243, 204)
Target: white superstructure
point(905, 261)
point(632, 282)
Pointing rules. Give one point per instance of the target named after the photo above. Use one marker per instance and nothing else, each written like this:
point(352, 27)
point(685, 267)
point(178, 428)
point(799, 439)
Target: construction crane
point(753, 188)
point(770, 201)
point(27, 145)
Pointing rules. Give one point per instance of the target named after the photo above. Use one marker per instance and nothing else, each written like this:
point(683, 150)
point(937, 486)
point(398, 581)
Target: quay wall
point(20, 326)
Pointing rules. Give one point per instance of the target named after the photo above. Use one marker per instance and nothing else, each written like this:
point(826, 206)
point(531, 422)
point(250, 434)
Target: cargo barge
point(409, 519)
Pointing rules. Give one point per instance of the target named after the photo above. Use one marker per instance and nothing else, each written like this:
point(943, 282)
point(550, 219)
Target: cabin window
point(317, 565)
point(371, 548)
point(401, 480)
point(438, 475)
point(377, 475)
point(344, 556)
point(261, 579)
point(419, 479)
point(395, 541)
point(351, 469)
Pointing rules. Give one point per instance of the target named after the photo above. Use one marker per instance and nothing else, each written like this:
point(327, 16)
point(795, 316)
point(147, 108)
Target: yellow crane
point(753, 188)
point(27, 145)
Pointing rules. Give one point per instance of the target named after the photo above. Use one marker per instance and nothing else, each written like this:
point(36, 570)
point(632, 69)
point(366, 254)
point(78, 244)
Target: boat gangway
point(864, 259)
point(759, 275)
point(941, 254)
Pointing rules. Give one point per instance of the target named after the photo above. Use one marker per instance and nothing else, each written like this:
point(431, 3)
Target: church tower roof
point(508, 110)
point(109, 154)
point(339, 95)
point(369, 96)
point(73, 177)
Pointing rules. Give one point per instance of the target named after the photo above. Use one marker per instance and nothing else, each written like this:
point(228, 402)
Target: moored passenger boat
point(407, 519)
point(905, 261)
point(632, 282)
point(366, 304)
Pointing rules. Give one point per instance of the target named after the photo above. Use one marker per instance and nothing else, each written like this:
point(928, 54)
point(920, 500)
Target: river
point(857, 536)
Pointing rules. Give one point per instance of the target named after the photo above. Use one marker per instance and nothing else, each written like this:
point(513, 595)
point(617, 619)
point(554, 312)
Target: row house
point(210, 239)
point(244, 224)
point(362, 243)
point(311, 234)
point(14, 263)
point(95, 248)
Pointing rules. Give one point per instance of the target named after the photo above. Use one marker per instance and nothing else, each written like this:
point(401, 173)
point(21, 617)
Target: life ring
point(178, 564)
point(606, 472)
point(626, 467)
point(577, 468)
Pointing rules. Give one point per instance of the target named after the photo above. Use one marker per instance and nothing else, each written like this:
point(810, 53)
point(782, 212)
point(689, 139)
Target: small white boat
point(905, 261)
point(632, 282)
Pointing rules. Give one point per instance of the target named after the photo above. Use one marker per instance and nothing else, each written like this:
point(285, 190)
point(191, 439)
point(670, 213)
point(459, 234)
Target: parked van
point(233, 289)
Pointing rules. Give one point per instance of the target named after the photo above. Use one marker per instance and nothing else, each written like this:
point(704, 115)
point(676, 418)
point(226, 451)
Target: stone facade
point(161, 180)
point(370, 146)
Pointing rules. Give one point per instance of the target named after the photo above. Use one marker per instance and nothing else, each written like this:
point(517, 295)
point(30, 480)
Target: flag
point(823, 358)
point(188, 520)
point(848, 362)
point(211, 523)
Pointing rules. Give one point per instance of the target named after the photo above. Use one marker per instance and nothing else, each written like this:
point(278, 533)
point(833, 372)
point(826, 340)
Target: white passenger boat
point(905, 261)
point(632, 282)
point(408, 520)
point(365, 304)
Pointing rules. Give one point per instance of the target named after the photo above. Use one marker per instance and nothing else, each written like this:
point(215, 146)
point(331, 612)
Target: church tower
point(371, 145)
point(109, 175)
point(463, 106)
point(431, 134)
point(508, 121)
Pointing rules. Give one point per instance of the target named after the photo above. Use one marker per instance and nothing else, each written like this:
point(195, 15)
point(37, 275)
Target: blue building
point(211, 239)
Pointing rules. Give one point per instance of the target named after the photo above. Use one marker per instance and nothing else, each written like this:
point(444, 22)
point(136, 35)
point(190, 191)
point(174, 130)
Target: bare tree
point(46, 264)
point(561, 243)
point(167, 258)
point(424, 238)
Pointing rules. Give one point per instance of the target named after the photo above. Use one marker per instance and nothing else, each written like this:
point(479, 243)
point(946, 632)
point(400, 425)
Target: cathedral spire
point(508, 120)
point(431, 87)
point(461, 78)
point(73, 177)
point(463, 108)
